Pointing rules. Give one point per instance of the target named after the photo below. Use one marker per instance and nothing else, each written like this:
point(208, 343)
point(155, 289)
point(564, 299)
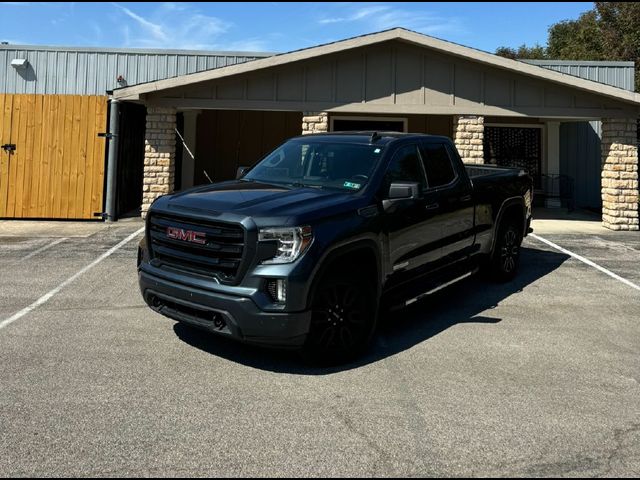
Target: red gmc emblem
point(186, 235)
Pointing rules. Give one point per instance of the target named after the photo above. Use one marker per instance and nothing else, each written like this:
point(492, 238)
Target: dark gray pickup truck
point(305, 246)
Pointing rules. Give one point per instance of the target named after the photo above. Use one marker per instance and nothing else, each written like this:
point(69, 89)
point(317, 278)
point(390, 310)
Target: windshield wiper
point(305, 185)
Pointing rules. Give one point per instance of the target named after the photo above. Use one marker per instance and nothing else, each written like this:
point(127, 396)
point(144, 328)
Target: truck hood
point(258, 199)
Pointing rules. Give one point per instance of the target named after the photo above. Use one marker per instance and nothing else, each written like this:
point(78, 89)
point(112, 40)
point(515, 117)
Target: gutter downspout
point(112, 162)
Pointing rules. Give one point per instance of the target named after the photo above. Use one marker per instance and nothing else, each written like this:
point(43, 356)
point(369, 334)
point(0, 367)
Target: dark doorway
point(130, 159)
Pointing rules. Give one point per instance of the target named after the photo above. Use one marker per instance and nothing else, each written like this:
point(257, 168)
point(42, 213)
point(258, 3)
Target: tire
point(506, 255)
point(344, 312)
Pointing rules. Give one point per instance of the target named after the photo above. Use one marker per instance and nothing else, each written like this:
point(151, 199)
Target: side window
point(437, 164)
point(406, 167)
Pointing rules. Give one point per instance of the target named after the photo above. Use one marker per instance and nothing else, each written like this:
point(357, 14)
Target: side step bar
point(434, 290)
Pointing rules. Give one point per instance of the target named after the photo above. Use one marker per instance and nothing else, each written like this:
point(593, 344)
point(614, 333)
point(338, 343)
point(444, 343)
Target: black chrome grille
point(220, 256)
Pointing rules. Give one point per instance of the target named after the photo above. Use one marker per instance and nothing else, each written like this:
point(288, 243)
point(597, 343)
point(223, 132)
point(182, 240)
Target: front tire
point(343, 319)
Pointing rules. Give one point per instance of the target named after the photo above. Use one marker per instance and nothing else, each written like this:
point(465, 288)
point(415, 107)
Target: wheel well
point(361, 259)
point(513, 213)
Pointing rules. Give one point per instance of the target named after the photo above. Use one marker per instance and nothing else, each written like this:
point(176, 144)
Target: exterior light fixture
point(19, 63)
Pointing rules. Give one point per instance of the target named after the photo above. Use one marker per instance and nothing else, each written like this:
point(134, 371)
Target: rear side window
point(406, 167)
point(437, 164)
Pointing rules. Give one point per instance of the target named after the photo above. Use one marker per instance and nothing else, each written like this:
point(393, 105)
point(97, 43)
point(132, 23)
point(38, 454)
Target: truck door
point(454, 193)
point(413, 228)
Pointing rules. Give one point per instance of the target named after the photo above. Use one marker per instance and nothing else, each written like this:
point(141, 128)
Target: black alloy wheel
point(507, 252)
point(342, 321)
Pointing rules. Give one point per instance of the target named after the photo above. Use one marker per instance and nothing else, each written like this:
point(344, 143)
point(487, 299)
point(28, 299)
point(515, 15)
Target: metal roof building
point(616, 74)
point(94, 71)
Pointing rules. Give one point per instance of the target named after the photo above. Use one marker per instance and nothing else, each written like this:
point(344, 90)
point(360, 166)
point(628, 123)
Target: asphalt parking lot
point(539, 377)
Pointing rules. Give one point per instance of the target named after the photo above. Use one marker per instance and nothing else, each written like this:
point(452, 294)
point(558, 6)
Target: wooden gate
point(57, 167)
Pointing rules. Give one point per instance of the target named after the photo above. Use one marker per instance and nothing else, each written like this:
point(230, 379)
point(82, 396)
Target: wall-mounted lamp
point(19, 63)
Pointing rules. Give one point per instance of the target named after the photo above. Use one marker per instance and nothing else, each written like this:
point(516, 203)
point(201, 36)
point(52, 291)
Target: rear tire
point(506, 255)
point(344, 312)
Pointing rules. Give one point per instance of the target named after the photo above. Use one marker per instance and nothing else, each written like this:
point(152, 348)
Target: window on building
point(368, 125)
point(518, 147)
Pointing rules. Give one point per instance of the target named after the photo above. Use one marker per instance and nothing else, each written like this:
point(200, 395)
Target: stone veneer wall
point(159, 155)
point(468, 136)
point(620, 174)
point(315, 122)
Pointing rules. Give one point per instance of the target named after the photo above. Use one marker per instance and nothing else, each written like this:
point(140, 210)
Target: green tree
point(536, 52)
point(620, 27)
point(579, 39)
point(610, 31)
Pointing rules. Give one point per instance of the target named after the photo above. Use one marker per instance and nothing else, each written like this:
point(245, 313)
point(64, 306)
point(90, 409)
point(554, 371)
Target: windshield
point(318, 164)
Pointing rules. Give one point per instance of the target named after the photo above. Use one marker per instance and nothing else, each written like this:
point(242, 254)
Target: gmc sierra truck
point(304, 248)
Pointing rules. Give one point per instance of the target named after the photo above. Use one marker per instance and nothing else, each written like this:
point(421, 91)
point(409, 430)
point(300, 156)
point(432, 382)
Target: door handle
point(432, 206)
point(8, 147)
point(466, 198)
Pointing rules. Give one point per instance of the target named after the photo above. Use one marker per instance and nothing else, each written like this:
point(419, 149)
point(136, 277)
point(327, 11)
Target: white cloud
point(156, 31)
point(359, 14)
point(384, 17)
point(173, 25)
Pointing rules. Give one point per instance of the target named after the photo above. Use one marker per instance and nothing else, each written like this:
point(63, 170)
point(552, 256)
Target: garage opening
point(228, 139)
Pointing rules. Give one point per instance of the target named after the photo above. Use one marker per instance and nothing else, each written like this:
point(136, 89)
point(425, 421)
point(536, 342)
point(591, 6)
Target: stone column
point(620, 173)
point(468, 136)
point(315, 122)
point(159, 155)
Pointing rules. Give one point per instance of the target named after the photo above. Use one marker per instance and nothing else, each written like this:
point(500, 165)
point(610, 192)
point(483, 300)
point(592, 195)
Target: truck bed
point(477, 171)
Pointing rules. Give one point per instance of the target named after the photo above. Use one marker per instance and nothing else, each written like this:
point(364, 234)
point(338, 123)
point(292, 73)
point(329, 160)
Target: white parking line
point(42, 249)
point(586, 260)
point(53, 292)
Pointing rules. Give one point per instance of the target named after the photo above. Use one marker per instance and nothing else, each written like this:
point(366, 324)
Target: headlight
point(291, 242)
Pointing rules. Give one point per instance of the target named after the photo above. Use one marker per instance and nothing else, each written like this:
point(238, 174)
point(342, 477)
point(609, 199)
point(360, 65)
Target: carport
point(391, 80)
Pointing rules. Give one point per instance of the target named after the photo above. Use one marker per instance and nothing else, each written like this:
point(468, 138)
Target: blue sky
point(274, 26)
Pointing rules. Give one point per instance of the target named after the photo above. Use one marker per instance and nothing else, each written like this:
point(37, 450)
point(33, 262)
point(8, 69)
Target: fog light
point(277, 289)
point(282, 290)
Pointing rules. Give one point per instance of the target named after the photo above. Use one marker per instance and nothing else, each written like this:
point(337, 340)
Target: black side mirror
point(241, 171)
point(401, 193)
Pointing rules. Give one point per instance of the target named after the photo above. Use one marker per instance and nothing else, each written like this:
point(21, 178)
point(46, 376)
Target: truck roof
point(365, 137)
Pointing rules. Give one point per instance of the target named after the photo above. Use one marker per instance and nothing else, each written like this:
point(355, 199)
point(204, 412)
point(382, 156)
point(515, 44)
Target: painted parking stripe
point(42, 249)
point(586, 260)
point(69, 280)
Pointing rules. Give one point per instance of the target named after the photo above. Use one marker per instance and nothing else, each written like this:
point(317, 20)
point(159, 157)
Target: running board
point(437, 289)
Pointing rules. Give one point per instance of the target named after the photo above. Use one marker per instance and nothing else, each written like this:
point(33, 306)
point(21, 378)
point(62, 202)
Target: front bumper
point(234, 316)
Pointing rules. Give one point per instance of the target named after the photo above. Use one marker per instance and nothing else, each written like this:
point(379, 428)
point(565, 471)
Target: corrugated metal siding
point(616, 74)
point(93, 72)
point(580, 152)
point(580, 159)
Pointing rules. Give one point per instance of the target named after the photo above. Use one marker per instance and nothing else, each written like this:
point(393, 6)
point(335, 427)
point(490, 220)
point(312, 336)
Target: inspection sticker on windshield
point(355, 186)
